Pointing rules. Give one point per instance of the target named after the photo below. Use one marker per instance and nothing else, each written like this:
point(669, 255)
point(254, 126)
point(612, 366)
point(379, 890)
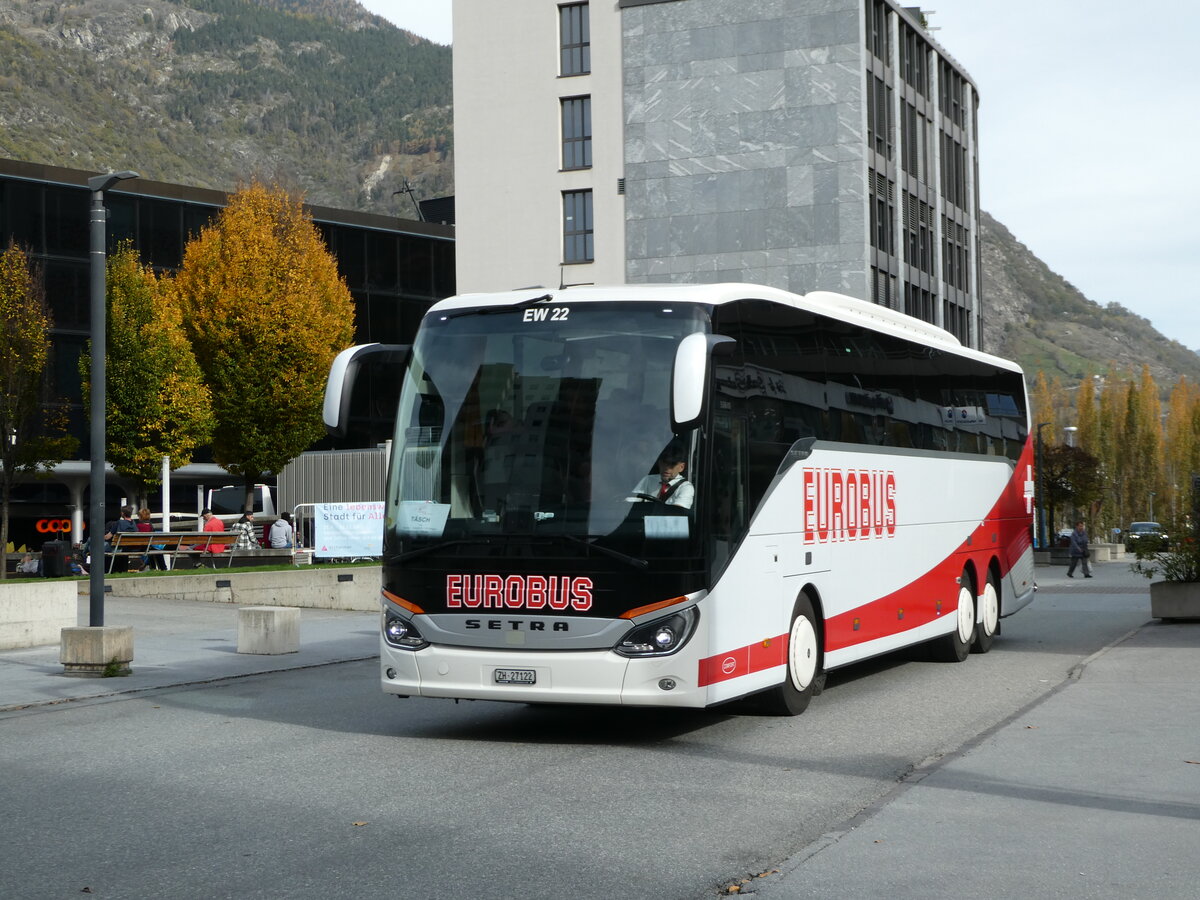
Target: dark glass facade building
point(395, 269)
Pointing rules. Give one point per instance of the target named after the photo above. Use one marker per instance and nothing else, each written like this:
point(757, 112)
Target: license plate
point(515, 676)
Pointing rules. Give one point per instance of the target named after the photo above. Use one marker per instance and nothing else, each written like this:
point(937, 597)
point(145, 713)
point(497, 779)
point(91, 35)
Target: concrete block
point(32, 614)
point(268, 630)
point(322, 587)
point(96, 652)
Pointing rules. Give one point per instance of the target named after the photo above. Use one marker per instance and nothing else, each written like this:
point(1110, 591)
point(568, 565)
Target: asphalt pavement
point(1093, 790)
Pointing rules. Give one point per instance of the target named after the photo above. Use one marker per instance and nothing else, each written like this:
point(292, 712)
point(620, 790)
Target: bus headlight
point(662, 637)
point(401, 632)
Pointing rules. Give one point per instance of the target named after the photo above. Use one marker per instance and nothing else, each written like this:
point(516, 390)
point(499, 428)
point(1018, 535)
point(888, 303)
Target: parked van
point(228, 502)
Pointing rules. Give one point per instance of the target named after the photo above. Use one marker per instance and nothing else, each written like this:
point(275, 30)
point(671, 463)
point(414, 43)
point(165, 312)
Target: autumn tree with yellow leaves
point(32, 430)
point(266, 312)
point(1146, 457)
point(156, 401)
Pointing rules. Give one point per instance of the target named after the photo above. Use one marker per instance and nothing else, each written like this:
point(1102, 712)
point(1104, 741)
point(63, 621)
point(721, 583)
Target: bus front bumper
point(591, 677)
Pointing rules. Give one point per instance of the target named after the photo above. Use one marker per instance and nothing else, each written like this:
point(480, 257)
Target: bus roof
point(827, 303)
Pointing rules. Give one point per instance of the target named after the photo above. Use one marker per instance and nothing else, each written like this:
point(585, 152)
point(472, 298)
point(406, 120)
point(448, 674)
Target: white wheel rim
point(990, 614)
point(802, 653)
point(966, 614)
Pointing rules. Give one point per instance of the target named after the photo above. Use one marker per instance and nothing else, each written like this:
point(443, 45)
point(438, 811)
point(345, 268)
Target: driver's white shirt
point(652, 484)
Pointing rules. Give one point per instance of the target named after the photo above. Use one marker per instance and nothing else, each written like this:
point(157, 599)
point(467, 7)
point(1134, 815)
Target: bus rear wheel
point(988, 625)
point(956, 646)
point(804, 677)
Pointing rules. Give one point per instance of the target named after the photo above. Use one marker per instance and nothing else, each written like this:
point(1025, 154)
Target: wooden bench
point(171, 543)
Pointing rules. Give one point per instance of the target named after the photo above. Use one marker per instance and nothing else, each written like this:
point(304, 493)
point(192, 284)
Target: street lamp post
point(98, 185)
point(1070, 430)
point(1041, 495)
point(1151, 506)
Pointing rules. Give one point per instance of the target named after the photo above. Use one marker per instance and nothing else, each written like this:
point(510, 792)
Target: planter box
point(100, 652)
point(1175, 600)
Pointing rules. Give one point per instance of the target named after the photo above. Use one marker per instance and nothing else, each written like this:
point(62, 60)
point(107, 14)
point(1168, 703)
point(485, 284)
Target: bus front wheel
point(956, 646)
point(804, 676)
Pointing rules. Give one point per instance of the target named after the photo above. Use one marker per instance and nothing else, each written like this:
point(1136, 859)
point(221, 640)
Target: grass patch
point(171, 573)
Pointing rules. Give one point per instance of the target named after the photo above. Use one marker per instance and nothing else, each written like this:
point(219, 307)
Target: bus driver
point(668, 486)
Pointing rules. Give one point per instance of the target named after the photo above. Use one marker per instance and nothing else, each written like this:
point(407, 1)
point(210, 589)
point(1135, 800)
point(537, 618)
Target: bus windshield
point(543, 421)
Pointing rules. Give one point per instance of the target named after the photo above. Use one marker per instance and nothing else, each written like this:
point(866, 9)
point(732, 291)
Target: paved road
point(311, 783)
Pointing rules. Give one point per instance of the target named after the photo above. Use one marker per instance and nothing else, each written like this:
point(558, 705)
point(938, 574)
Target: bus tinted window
point(804, 375)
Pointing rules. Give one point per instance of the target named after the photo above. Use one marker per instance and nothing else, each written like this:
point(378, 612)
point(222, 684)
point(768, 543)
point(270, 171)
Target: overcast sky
point(1089, 136)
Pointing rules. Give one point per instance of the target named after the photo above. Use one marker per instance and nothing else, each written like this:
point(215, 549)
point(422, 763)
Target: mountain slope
point(1036, 317)
point(317, 94)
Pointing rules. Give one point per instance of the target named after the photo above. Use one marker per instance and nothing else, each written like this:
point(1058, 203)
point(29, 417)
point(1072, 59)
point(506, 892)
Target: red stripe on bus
point(1004, 534)
point(765, 654)
point(1005, 530)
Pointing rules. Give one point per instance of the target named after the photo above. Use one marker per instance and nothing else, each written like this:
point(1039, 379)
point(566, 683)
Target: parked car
point(1141, 534)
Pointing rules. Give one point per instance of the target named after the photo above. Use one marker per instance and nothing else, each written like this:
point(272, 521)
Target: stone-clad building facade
point(803, 144)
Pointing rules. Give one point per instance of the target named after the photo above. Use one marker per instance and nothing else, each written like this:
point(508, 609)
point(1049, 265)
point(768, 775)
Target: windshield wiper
point(605, 551)
point(493, 310)
point(439, 545)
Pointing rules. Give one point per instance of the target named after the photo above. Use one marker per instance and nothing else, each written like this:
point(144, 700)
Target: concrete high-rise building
point(803, 144)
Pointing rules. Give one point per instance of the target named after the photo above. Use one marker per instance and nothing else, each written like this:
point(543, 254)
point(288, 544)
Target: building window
point(883, 209)
point(913, 56)
point(878, 37)
point(577, 133)
point(883, 288)
point(918, 227)
point(575, 39)
point(953, 90)
point(879, 116)
point(956, 255)
point(957, 321)
point(954, 172)
point(578, 237)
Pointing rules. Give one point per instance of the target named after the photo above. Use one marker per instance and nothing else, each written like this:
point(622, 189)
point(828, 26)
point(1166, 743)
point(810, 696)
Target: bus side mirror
point(689, 379)
point(345, 370)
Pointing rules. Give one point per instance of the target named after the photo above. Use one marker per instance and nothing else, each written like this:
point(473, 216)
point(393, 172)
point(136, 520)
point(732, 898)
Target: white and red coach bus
point(859, 483)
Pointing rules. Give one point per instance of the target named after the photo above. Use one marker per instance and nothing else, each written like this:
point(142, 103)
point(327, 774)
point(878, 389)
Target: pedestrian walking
point(1079, 551)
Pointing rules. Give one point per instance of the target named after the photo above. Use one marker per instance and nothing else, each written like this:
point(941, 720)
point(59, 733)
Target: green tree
point(156, 401)
point(32, 433)
point(266, 312)
point(1072, 477)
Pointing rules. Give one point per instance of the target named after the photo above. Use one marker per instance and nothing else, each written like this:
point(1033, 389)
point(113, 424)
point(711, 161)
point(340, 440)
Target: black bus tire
point(988, 625)
point(804, 677)
point(956, 646)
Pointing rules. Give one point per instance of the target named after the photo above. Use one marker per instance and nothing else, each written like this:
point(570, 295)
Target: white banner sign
point(347, 529)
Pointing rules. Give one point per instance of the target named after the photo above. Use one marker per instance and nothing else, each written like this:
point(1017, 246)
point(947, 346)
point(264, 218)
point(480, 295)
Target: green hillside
point(320, 96)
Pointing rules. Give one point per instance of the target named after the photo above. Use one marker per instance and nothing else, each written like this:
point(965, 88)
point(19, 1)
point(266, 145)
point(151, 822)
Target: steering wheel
point(650, 497)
